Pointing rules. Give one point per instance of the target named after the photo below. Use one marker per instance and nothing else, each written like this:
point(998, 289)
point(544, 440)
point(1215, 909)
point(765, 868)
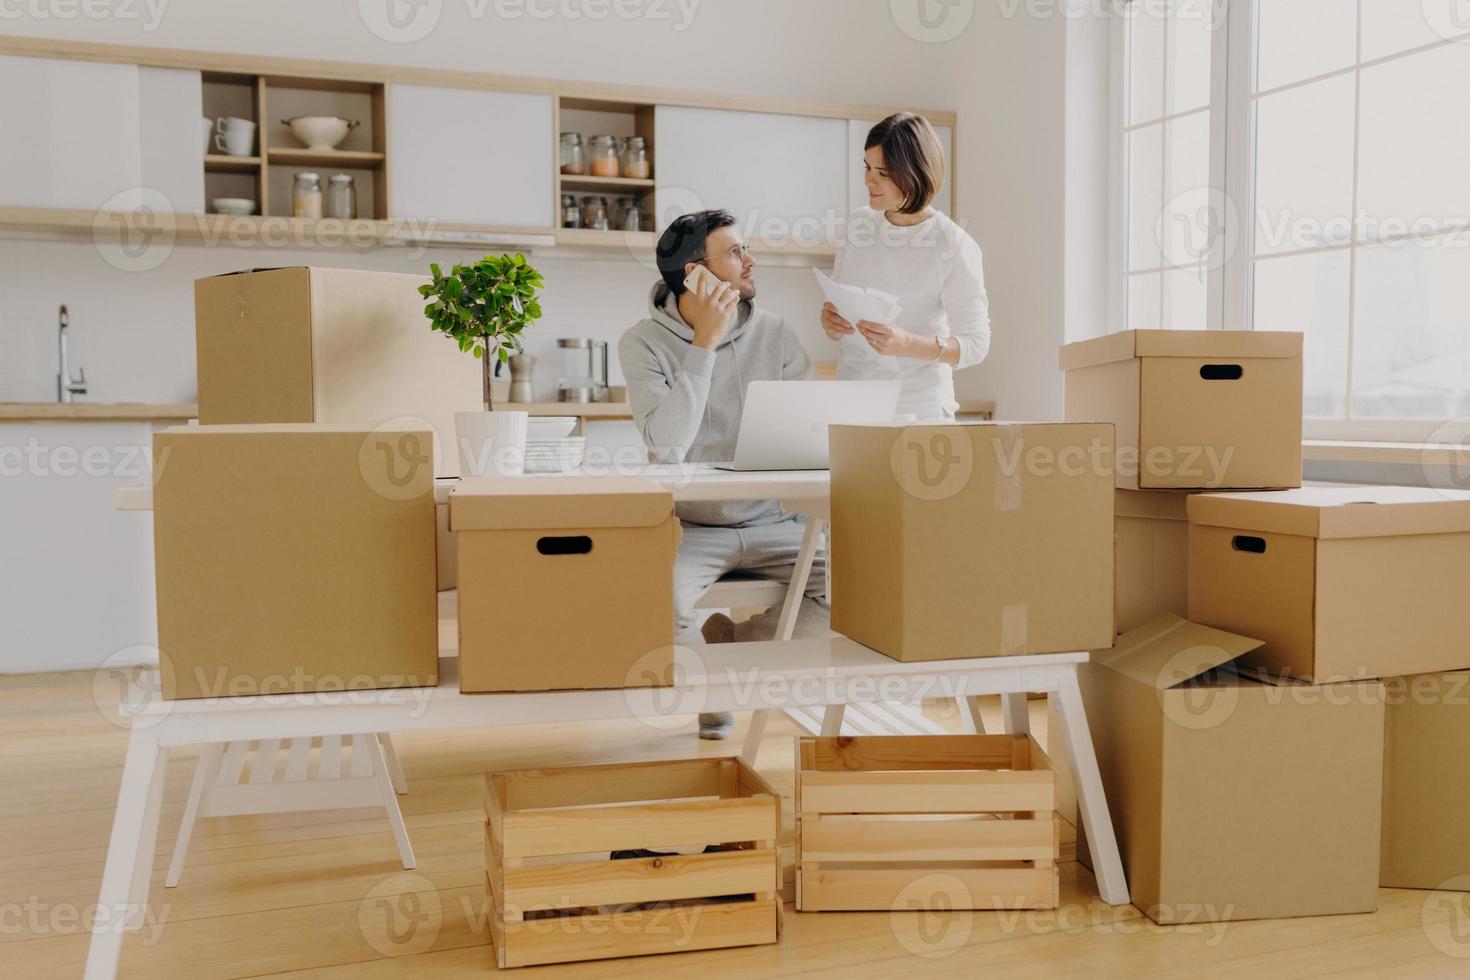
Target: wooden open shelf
point(300, 157)
point(226, 164)
point(616, 185)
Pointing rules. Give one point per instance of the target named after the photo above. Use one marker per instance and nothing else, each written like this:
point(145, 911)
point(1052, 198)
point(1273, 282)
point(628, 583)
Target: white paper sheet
point(855, 303)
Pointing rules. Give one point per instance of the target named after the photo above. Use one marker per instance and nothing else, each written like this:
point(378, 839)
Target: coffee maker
point(583, 370)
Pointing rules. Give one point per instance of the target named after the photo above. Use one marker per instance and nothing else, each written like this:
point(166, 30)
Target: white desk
point(693, 482)
point(778, 675)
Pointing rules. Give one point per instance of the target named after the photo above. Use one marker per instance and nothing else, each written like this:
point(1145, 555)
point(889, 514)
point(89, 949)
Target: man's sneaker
point(716, 724)
point(719, 628)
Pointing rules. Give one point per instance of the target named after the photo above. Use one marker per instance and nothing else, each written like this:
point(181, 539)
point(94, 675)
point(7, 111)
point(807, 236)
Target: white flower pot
point(491, 443)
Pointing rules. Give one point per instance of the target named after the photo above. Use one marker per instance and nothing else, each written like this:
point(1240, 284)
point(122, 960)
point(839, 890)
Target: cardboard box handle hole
point(574, 544)
point(1249, 543)
point(1222, 372)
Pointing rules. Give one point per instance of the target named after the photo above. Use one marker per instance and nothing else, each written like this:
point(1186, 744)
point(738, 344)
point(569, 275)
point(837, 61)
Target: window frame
point(1231, 281)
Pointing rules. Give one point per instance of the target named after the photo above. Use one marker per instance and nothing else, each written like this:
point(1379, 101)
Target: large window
point(1166, 146)
point(1343, 168)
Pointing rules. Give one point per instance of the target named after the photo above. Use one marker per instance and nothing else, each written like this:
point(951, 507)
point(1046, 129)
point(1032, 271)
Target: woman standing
point(901, 245)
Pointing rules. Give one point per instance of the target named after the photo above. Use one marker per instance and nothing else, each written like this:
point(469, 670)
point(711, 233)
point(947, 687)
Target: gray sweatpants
point(766, 550)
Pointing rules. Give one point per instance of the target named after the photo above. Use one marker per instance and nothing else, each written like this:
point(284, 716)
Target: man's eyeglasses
point(740, 252)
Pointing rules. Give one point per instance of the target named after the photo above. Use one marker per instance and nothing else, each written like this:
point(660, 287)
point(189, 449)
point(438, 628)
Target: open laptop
point(784, 425)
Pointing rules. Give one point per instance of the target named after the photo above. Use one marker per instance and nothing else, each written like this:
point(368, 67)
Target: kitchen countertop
point(94, 412)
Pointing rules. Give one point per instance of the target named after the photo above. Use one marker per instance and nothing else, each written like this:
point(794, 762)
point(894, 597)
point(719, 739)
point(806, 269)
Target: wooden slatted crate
point(891, 822)
point(558, 896)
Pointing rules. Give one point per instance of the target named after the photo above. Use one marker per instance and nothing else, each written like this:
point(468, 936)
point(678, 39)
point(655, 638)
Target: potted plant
point(484, 308)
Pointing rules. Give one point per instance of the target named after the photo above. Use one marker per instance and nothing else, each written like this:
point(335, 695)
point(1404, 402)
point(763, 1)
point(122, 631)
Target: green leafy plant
point(484, 307)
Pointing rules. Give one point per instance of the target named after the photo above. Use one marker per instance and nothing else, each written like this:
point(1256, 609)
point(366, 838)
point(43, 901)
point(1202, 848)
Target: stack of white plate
point(554, 455)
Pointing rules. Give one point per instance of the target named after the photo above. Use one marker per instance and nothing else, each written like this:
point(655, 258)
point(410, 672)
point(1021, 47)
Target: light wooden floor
point(287, 895)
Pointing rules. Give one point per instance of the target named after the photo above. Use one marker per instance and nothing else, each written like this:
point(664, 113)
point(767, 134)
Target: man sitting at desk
point(686, 367)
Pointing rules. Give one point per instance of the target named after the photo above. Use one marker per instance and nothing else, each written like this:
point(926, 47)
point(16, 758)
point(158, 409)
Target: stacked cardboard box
point(564, 583)
point(972, 540)
point(294, 558)
point(328, 345)
point(1249, 740)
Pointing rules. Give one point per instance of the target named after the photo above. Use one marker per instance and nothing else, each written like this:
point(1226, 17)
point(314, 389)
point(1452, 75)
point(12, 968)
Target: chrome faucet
point(66, 385)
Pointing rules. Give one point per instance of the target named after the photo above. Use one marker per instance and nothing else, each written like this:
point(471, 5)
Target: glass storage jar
point(571, 154)
point(306, 195)
point(594, 212)
point(341, 197)
point(602, 157)
point(571, 215)
point(635, 159)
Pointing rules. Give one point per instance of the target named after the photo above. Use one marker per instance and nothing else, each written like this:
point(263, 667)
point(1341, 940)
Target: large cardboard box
point(328, 345)
point(564, 583)
point(972, 540)
point(1339, 582)
point(1426, 838)
point(1195, 409)
point(1153, 555)
point(1152, 578)
point(294, 558)
point(1233, 798)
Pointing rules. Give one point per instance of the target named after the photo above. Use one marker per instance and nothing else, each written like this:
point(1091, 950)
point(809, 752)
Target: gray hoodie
point(687, 401)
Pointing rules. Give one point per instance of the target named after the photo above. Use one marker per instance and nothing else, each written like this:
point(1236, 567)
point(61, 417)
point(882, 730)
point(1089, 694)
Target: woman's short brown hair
point(913, 157)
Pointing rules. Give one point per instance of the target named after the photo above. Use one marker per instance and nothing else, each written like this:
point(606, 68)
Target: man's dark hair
point(683, 241)
point(913, 157)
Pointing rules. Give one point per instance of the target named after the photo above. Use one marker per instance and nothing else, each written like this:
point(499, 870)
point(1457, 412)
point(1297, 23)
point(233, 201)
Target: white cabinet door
point(857, 135)
point(784, 177)
point(468, 157)
point(69, 134)
point(170, 107)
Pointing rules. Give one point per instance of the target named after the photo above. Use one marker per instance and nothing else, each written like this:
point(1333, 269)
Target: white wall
point(816, 49)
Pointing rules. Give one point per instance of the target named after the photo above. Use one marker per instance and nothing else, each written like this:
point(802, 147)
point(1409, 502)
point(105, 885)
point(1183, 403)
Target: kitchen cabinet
point(857, 135)
point(471, 157)
point(171, 143)
point(784, 176)
point(69, 134)
point(90, 135)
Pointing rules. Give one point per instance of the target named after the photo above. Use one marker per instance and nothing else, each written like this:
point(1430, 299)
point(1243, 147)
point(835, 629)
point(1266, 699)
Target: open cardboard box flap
point(1168, 652)
point(1212, 344)
point(557, 503)
point(1337, 512)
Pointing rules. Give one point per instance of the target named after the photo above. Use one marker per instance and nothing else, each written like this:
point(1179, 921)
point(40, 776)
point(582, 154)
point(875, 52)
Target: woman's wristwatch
point(944, 344)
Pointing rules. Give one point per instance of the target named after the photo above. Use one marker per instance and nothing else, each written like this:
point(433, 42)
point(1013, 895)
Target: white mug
point(234, 136)
point(208, 134)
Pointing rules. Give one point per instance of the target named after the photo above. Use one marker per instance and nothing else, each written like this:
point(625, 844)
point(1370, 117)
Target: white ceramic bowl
point(232, 205)
point(320, 132)
point(550, 427)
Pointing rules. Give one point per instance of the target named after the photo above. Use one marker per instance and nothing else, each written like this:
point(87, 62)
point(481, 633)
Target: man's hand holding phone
point(709, 307)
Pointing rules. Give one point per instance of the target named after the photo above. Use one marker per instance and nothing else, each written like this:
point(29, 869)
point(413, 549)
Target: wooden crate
point(557, 897)
point(924, 821)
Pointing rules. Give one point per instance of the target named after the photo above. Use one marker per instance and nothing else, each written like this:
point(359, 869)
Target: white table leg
point(395, 770)
point(970, 719)
point(832, 720)
point(147, 847)
point(141, 770)
point(754, 735)
point(811, 538)
point(204, 771)
point(383, 775)
point(1017, 717)
point(1112, 885)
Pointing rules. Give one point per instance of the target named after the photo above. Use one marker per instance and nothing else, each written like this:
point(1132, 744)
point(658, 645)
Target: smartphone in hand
point(702, 282)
